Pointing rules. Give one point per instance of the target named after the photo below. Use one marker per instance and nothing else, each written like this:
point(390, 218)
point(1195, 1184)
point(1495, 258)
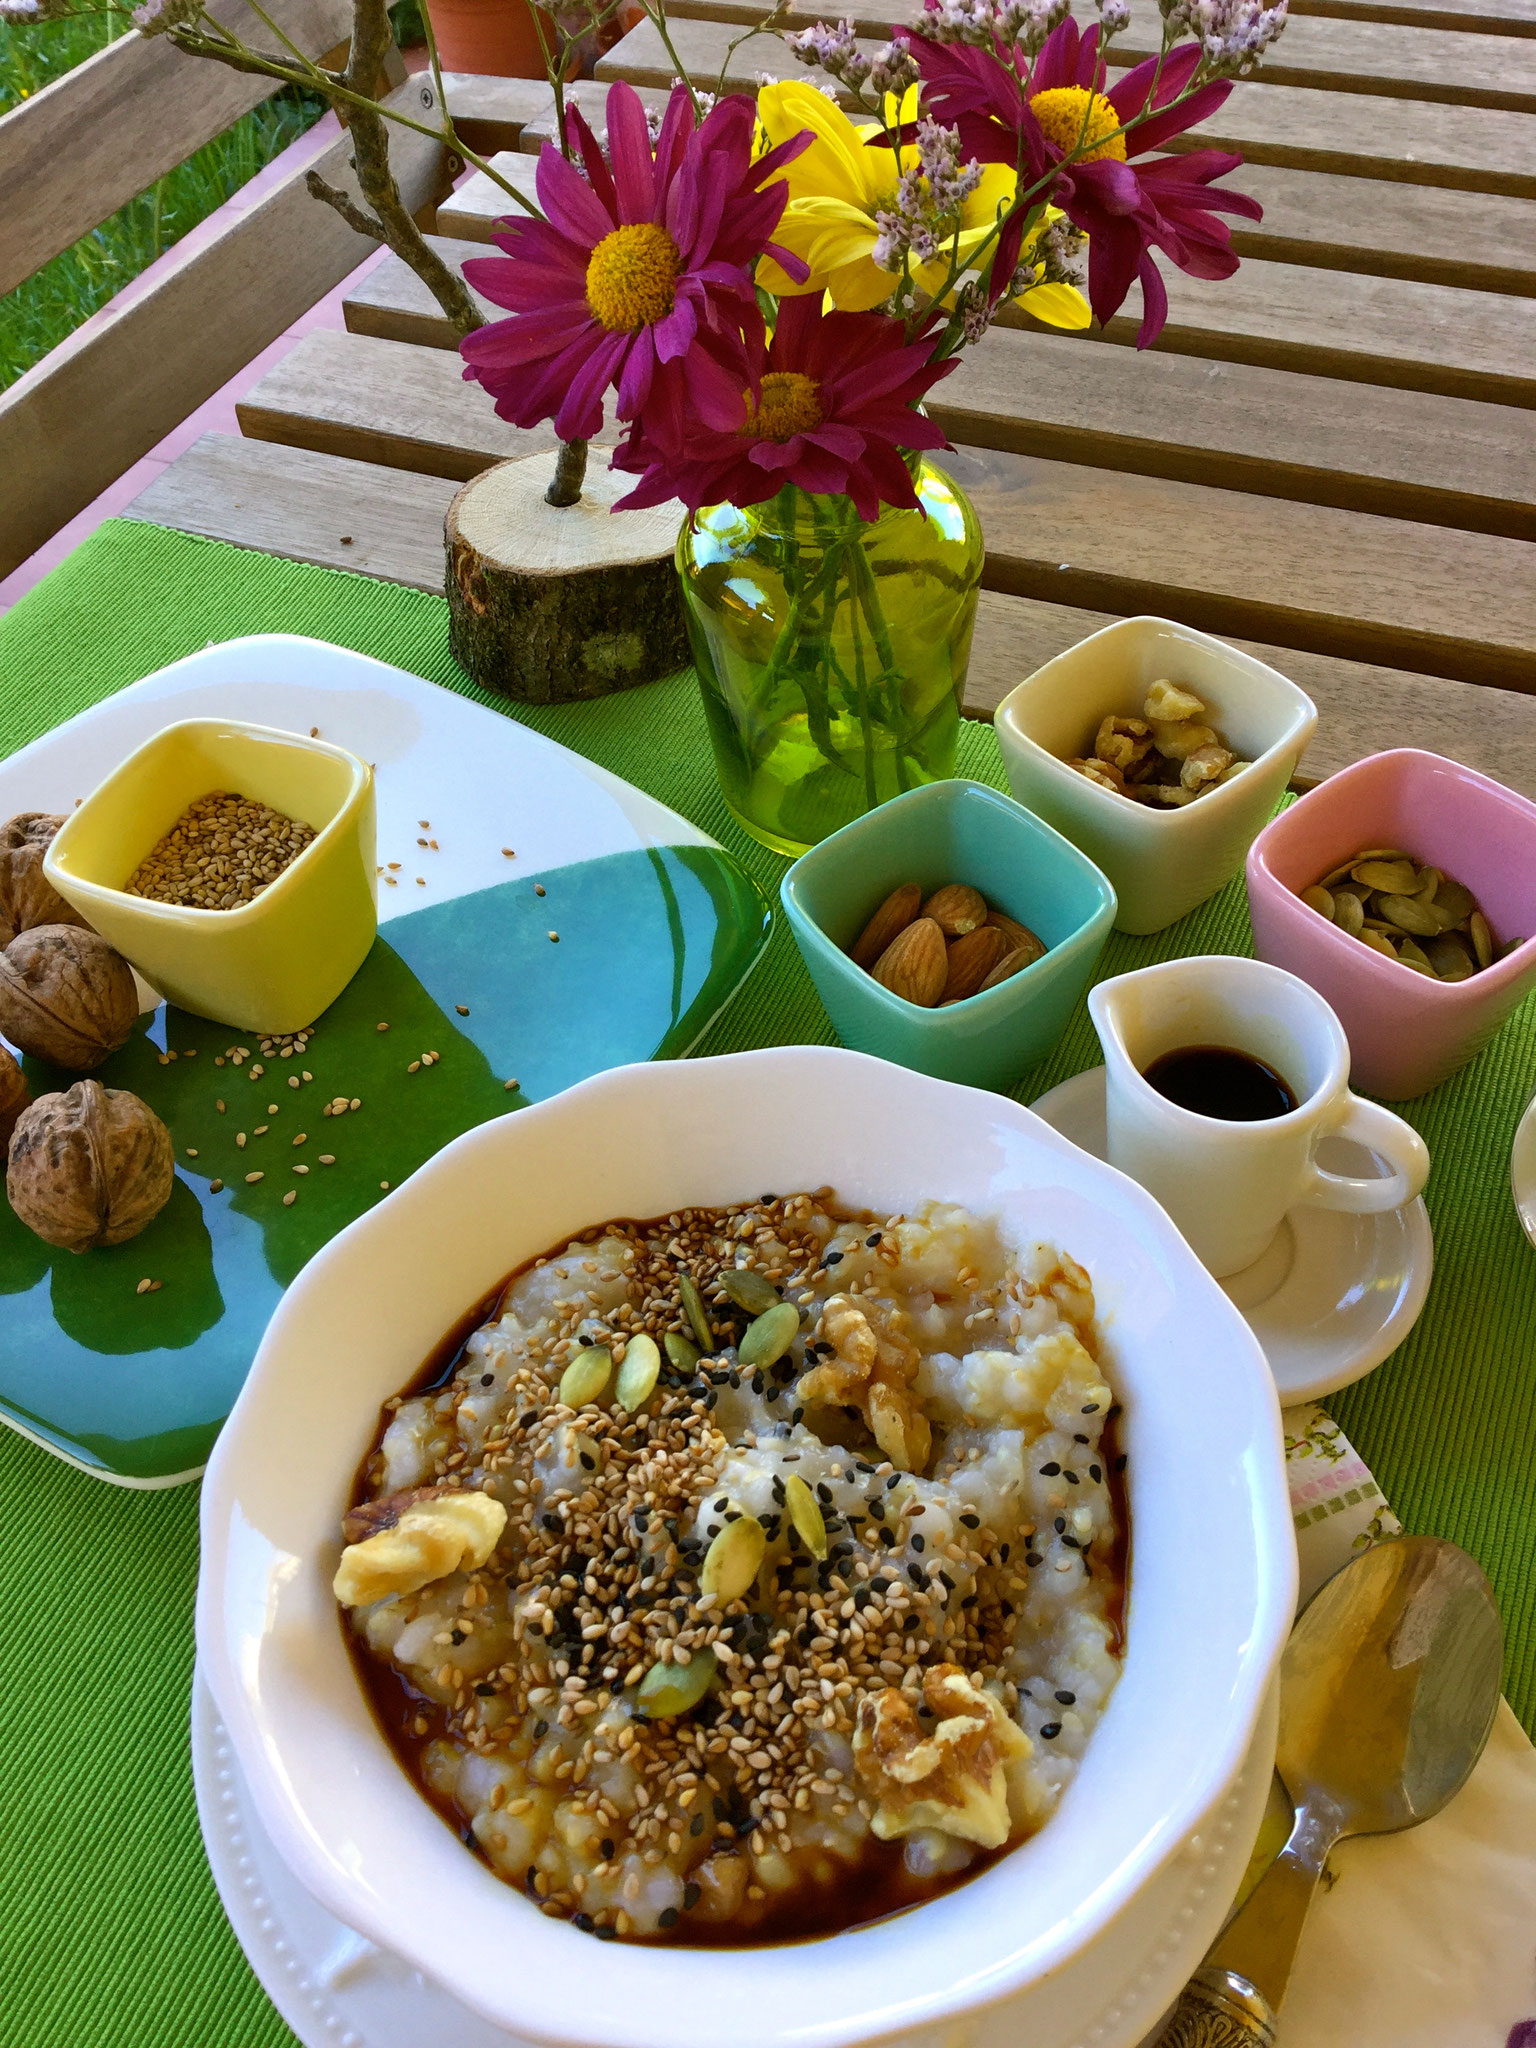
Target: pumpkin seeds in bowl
point(1417, 915)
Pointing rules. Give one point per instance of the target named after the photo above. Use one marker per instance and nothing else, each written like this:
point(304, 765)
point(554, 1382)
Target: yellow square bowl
point(272, 964)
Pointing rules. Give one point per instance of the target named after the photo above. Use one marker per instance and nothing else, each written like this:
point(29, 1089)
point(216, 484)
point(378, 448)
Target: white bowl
point(1161, 862)
point(1212, 1589)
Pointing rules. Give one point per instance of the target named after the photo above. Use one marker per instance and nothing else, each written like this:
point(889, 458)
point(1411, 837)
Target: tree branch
point(570, 474)
point(354, 216)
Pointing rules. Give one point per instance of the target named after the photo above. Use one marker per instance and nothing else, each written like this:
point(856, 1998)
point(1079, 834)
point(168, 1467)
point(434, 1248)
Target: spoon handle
point(1219, 2009)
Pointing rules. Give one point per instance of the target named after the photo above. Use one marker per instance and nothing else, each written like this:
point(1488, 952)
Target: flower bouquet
point(767, 288)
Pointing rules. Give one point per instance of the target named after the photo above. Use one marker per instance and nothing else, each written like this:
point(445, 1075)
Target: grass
point(51, 304)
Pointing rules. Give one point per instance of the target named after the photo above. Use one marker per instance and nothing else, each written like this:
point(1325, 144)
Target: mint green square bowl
point(952, 832)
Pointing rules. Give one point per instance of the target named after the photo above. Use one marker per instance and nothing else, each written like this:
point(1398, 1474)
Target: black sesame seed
point(894, 1480)
point(915, 1575)
point(1071, 1478)
point(1049, 1471)
point(833, 1259)
point(1095, 1474)
point(1071, 1542)
point(1033, 1557)
point(918, 1542)
point(487, 1379)
point(1067, 1699)
point(711, 1398)
point(1003, 1551)
point(888, 1537)
point(540, 1730)
point(606, 1933)
point(691, 1897)
point(588, 1462)
point(456, 1636)
point(719, 1809)
point(1050, 1731)
point(777, 1487)
point(485, 1691)
point(823, 1492)
point(946, 1582)
point(607, 1847)
point(552, 1523)
point(526, 1420)
point(585, 1922)
point(1090, 1407)
point(872, 1240)
point(970, 1521)
point(910, 1623)
point(1120, 1462)
point(767, 1200)
point(1078, 1437)
point(667, 1918)
point(528, 1881)
point(795, 1414)
point(759, 1386)
point(1060, 1523)
point(696, 1825)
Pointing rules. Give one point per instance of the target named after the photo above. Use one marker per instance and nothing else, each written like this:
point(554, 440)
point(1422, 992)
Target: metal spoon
point(1388, 1690)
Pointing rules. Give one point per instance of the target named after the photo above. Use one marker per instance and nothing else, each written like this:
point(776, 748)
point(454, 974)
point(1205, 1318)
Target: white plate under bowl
point(1214, 1551)
point(1522, 1170)
point(1334, 1294)
point(336, 1989)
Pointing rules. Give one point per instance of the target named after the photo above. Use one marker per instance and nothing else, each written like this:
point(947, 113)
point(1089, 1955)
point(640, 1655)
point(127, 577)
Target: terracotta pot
point(492, 37)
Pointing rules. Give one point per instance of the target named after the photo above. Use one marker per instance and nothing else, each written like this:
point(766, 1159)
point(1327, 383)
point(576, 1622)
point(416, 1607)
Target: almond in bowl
point(945, 948)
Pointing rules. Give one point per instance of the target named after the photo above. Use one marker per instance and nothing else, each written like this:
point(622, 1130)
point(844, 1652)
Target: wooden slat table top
point(1446, 461)
point(1327, 458)
point(388, 523)
point(1361, 134)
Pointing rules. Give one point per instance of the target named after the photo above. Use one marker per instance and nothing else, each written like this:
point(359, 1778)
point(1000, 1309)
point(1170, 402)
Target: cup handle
point(1395, 1141)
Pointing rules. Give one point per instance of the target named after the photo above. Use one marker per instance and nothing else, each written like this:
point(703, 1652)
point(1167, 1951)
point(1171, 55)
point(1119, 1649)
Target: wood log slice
point(548, 603)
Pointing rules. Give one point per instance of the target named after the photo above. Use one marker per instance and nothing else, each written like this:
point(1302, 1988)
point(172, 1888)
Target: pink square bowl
point(1406, 1033)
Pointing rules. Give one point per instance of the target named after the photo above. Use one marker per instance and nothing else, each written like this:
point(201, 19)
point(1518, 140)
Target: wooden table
point(1329, 458)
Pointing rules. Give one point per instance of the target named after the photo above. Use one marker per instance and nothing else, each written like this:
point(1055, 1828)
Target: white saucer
point(1334, 1294)
point(1522, 1170)
point(337, 1990)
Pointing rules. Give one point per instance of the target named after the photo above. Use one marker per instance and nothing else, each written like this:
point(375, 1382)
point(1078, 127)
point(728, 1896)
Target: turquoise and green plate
point(545, 921)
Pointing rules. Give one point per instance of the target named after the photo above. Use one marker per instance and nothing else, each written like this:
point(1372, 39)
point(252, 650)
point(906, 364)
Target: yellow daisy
point(839, 184)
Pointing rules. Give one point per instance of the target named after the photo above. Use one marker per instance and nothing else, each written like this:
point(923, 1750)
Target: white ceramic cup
point(1228, 1185)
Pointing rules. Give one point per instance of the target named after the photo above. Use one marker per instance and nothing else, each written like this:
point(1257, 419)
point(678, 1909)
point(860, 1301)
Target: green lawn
point(52, 304)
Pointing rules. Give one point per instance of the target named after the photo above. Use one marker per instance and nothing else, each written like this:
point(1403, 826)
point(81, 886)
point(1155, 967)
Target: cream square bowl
point(1085, 1932)
point(1161, 863)
point(272, 964)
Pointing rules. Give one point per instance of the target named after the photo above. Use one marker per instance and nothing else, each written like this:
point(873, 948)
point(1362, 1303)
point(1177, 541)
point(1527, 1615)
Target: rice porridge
point(749, 1573)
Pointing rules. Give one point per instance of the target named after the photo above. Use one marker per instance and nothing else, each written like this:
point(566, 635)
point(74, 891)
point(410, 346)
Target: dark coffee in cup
point(1222, 1082)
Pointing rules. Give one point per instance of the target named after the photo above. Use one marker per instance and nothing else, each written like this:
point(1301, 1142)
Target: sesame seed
point(290, 1198)
point(252, 1178)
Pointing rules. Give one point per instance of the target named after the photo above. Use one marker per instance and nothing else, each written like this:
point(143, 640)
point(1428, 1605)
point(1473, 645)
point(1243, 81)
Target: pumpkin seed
point(693, 1309)
point(1455, 900)
point(1318, 898)
point(586, 1376)
point(671, 1689)
point(769, 1337)
point(1378, 942)
point(1348, 912)
point(681, 1355)
point(1482, 939)
point(1412, 954)
point(1382, 853)
point(638, 1374)
point(1429, 881)
point(733, 1560)
point(805, 1514)
point(1395, 877)
point(749, 1290)
point(1449, 957)
point(1337, 875)
point(1410, 915)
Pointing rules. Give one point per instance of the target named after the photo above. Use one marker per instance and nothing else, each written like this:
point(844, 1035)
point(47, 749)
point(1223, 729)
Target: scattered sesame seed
point(290, 1198)
point(462, 1008)
point(327, 1159)
point(252, 1178)
point(554, 938)
point(539, 889)
point(215, 1187)
point(381, 1027)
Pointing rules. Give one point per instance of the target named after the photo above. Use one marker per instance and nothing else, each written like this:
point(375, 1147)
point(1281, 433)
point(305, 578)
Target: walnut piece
point(370, 1516)
point(66, 996)
point(27, 897)
point(1205, 764)
point(1123, 742)
point(1167, 700)
point(873, 1367)
point(90, 1167)
point(449, 1532)
point(14, 1097)
point(1104, 773)
point(950, 1776)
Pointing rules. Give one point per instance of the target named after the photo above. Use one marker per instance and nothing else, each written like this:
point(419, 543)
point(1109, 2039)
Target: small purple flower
point(1522, 2035)
point(1232, 34)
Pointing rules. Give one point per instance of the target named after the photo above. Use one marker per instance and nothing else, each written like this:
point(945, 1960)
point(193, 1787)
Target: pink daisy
point(1125, 209)
point(634, 263)
point(835, 407)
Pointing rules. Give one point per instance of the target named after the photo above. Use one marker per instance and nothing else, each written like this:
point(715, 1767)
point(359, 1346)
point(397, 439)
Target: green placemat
point(111, 1935)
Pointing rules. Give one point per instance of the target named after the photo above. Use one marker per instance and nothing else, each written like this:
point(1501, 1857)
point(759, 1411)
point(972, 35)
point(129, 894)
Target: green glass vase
point(831, 652)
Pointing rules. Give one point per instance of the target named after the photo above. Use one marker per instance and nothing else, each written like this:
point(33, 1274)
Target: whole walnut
point(27, 897)
point(29, 828)
point(14, 1097)
point(66, 996)
point(89, 1167)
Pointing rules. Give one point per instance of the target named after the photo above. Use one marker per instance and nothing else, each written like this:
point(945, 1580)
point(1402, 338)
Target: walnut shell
point(66, 996)
point(27, 897)
point(90, 1167)
point(14, 1097)
point(29, 828)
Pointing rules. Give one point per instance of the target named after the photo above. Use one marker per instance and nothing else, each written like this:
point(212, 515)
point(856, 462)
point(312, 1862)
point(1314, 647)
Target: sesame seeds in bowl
point(1100, 1911)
